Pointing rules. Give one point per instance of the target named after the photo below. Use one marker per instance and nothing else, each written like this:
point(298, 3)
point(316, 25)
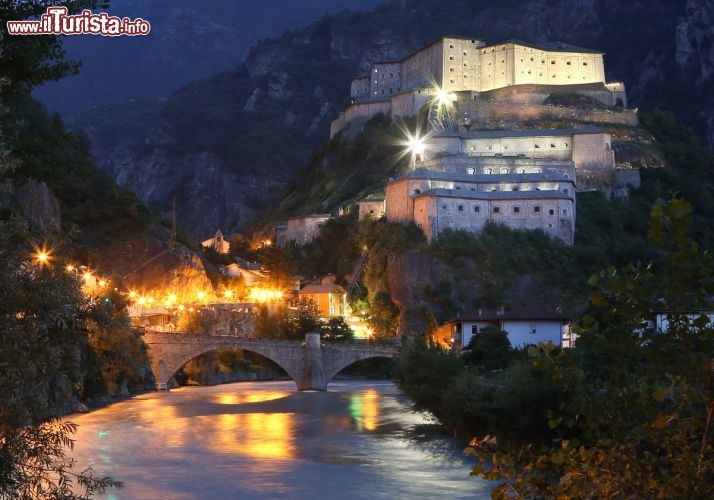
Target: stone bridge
point(310, 364)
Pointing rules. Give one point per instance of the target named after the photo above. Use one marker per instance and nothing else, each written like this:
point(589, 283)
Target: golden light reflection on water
point(257, 435)
point(166, 420)
point(364, 408)
point(255, 397)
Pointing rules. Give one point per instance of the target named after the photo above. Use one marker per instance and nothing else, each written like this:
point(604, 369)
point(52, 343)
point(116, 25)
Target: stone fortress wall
point(492, 85)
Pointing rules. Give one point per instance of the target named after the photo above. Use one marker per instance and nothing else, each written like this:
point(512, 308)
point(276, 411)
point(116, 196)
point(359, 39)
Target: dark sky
point(189, 40)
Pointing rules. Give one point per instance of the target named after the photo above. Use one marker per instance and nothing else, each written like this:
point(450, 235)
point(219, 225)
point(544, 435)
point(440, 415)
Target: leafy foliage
point(43, 326)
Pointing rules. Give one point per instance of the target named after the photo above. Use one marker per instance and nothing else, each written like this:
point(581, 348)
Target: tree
point(638, 423)
point(43, 318)
point(300, 319)
point(337, 330)
point(28, 61)
point(490, 349)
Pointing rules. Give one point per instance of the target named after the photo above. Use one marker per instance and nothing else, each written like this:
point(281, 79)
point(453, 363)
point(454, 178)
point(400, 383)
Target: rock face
point(225, 146)
point(33, 200)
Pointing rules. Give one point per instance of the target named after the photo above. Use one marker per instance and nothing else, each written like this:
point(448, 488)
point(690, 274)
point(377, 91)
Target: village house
point(524, 326)
point(330, 298)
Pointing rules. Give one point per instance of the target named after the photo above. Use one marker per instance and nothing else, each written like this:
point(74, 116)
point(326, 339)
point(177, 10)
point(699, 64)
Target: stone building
point(218, 243)
point(435, 201)
point(371, 208)
point(469, 71)
point(300, 230)
point(329, 297)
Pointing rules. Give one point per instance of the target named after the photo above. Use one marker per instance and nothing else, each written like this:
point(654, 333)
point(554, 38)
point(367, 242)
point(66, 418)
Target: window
point(496, 210)
point(505, 146)
point(417, 191)
point(443, 207)
point(451, 70)
point(470, 170)
point(565, 213)
point(552, 62)
point(537, 146)
point(568, 63)
point(461, 208)
point(451, 58)
point(565, 191)
point(536, 209)
point(474, 329)
point(532, 328)
point(516, 210)
point(585, 64)
point(552, 144)
point(551, 212)
point(477, 209)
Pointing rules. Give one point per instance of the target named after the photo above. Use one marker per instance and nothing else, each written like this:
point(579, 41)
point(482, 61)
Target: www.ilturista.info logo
point(57, 22)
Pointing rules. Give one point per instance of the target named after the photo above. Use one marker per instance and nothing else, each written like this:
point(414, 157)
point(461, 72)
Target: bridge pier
point(311, 375)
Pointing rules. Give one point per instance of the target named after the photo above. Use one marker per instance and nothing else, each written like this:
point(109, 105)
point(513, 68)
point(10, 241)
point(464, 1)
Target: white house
point(524, 326)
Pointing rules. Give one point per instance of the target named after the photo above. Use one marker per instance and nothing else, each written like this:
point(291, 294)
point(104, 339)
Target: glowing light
point(201, 295)
point(102, 283)
point(264, 295)
point(87, 276)
point(42, 257)
point(416, 144)
point(70, 268)
point(132, 294)
point(228, 294)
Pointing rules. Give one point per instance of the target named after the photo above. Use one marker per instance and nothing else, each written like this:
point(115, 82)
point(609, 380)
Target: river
point(258, 440)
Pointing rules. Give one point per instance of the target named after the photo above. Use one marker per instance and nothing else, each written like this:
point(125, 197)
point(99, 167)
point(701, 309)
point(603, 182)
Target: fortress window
point(477, 209)
point(451, 81)
point(536, 209)
point(489, 146)
point(417, 191)
point(466, 53)
point(503, 61)
point(505, 146)
point(451, 58)
point(461, 208)
point(529, 72)
point(531, 58)
point(542, 61)
point(551, 212)
point(466, 75)
point(585, 64)
point(443, 207)
point(473, 189)
point(496, 210)
point(568, 63)
point(554, 76)
point(565, 191)
point(451, 46)
point(470, 170)
point(515, 188)
point(552, 144)
point(552, 62)
point(516, 210)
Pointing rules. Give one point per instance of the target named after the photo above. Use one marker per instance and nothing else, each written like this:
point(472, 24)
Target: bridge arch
point(310, 364)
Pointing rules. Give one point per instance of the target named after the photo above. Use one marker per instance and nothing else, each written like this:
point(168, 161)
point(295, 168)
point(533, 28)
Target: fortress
point(484, 161)
point(468, 71)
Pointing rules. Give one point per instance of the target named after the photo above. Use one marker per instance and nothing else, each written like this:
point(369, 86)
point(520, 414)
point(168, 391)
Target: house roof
point(526, 313)
point(553, 46)
point(320, 288)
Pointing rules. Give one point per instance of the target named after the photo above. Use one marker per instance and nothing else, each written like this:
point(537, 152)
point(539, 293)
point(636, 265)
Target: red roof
point(522, 313)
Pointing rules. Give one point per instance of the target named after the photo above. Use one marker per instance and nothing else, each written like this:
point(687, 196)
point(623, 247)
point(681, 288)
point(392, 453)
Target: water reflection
point(265, 440)
point(258, 435)
point(364, 408)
